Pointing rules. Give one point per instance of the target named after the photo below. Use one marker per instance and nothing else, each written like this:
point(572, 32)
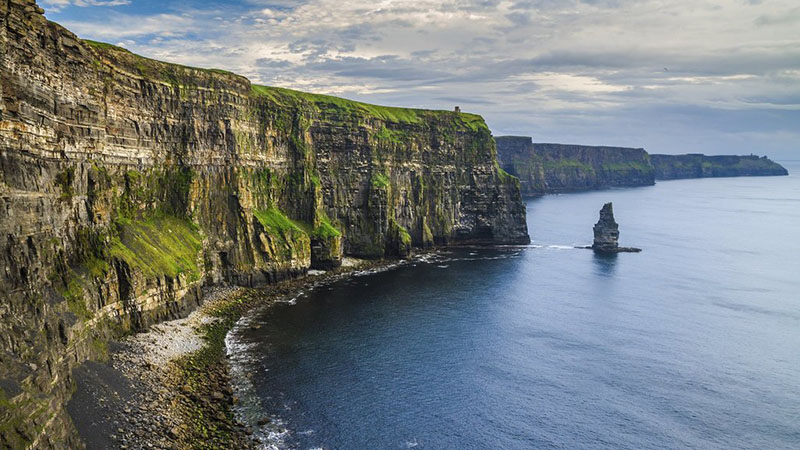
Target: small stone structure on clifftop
point(606, 233)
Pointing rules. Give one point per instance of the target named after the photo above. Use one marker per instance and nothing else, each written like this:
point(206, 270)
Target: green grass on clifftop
point(174, 73)
point(388, 113)
point(150, 67)
point(290, 97)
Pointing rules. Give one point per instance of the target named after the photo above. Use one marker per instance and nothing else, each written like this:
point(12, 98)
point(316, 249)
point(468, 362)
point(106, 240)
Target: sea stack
point(606, 233)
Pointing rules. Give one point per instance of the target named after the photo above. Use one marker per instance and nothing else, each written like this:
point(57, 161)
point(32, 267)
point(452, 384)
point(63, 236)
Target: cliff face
point(551, 168)
point(126, 184)
point(670, 167)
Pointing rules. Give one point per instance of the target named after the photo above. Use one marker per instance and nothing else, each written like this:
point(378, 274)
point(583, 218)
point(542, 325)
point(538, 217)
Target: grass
point(626, 166)
point(171, 73)
point(76, 301)
point(275, 221)
point(505, 176)
point(380, 181)
point(104, 46)
point(392, 114)
point(474, 122)
point(163, 245)
point(288, 97)
point(325, 230)
point(287, 236)
point(393, 136)
point(567, 164)
point(147, 66)
point(405, 237)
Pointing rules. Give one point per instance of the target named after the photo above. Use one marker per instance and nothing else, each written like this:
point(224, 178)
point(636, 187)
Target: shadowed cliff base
point(556, 168)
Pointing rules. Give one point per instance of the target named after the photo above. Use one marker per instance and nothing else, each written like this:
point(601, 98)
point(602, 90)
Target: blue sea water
point(692, 344)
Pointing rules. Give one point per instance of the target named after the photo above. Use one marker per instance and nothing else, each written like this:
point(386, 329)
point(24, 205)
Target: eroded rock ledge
point(126, 184)
point(606, 233)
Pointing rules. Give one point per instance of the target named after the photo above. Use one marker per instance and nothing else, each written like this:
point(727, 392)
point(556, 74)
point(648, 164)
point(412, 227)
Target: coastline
point(170, 387)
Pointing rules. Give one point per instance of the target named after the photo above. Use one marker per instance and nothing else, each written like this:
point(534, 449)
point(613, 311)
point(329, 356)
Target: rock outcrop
point(606, 233)
point(554, 168)
point(127, 184)
point(670, 167)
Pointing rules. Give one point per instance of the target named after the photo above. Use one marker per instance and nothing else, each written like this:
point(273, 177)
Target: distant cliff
point(551, 168)
point(127, 184)
point(670, 167)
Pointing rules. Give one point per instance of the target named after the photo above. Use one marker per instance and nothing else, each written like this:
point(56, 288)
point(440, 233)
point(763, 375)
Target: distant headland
point(545, 168)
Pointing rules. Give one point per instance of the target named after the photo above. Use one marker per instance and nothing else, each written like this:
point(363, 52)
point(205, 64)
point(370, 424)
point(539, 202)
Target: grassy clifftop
point(180, 74)
point(700, 166)
point(390, 114)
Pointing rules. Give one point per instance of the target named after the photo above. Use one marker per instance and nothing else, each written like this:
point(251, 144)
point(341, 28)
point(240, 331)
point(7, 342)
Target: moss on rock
point(162, 245)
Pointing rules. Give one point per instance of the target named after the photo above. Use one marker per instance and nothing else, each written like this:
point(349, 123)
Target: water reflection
point(606, 263)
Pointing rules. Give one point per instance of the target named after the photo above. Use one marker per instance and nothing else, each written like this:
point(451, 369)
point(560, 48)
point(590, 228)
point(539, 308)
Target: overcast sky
point(672, 76)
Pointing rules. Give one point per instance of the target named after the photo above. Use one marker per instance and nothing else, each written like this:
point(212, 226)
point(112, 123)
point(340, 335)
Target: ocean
point(694, 343)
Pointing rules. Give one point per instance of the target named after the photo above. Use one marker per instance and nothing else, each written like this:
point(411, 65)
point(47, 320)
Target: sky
point(672, 76)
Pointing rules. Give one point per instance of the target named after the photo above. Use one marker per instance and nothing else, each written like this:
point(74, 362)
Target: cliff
point(552, 168)
point(127, 184)
point(670, 167)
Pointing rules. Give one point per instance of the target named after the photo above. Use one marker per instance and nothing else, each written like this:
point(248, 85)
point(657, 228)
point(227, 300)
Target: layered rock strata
point(126, 184)
point(606, 233)
point(554, 168)
point(670, 167)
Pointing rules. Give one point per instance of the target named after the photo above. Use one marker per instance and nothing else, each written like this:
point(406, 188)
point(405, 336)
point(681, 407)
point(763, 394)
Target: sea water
point(692, 343)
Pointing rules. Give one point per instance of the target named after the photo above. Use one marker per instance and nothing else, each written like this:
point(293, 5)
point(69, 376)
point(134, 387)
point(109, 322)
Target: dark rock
point(552, 168)
point(606, 233)
point(92, 133)
point(606, 230)
point(695, 165)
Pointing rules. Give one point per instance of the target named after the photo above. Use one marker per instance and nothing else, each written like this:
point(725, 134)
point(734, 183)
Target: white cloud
point(119, 27)
point(58, 5)
point(545, 63)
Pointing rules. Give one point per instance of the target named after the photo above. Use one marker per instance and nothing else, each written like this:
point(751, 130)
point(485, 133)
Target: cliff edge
point(127, 184)
point(553, 168)
point(671, 167)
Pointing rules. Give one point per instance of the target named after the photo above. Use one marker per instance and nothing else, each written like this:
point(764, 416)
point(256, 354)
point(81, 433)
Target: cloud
point(603, 68)
point(58, 5)
point(118, 26)
point(786, 18)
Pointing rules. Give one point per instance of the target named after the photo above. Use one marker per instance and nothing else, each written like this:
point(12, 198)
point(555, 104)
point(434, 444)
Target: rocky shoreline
point(169, 387)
